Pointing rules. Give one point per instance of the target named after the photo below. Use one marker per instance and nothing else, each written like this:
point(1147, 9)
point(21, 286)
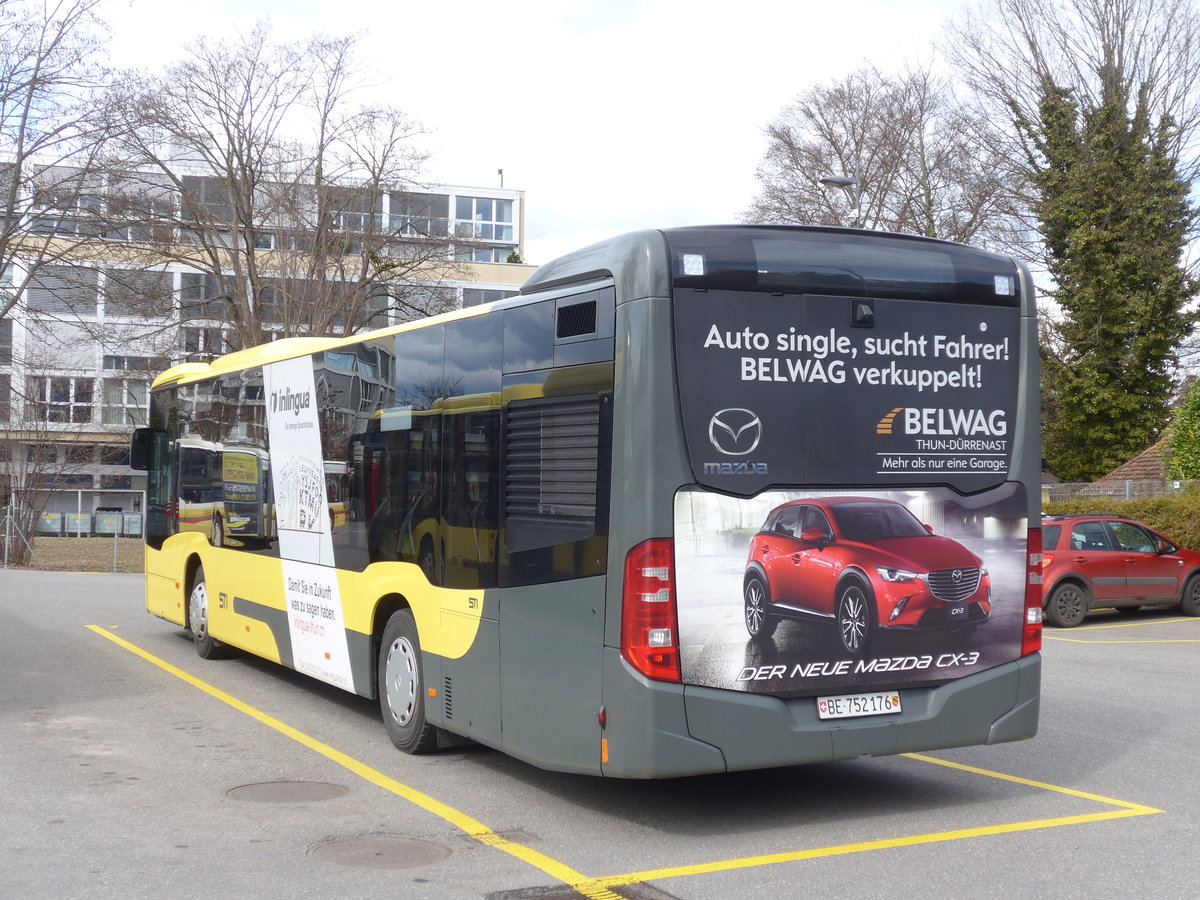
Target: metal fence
point(1112, 490)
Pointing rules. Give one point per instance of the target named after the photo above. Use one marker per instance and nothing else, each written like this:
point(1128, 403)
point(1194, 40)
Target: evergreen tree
point(1114, 214)
point(1183, 446)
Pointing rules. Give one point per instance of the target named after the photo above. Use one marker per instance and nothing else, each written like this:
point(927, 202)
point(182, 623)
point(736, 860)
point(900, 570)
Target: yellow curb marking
point(460, 820)
point(1150, 624)
point(599, 888)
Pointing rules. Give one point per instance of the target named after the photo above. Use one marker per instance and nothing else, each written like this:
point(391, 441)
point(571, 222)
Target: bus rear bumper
point(755, 731)
point(651, 734)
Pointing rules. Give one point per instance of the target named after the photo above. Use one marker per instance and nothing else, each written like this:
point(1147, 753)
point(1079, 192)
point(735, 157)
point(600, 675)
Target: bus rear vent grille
point(553, 456)
point(576, 319)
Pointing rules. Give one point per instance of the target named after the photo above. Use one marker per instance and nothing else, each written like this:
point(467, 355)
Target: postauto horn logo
point(938, 422)
point(735, 432)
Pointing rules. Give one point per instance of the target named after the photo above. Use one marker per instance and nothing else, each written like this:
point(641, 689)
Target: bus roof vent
point(575, 320)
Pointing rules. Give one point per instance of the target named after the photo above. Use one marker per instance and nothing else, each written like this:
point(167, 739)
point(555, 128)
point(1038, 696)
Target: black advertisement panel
point(814, 592)
point(781, 389)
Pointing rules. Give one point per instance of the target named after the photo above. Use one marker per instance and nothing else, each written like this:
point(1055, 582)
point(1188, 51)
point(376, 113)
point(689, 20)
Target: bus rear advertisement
point(697, 500)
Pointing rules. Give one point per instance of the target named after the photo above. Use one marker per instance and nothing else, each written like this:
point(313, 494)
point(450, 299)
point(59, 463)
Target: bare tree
point(920, 158)
point(1009, 52)
point(49, 76)
point(280, 176)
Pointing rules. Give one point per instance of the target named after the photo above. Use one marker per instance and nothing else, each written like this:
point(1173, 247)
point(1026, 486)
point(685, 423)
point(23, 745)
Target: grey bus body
point(624, 348)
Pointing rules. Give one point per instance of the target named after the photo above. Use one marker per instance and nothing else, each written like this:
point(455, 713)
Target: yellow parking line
point(1145, 624)
point(460, 820)
point(1150, 624)
point(1040, 785)
point(1127, 810)
point(600, 888)
point(1063, 640)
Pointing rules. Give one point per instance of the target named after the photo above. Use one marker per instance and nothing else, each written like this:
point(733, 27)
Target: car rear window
point(1050, 534)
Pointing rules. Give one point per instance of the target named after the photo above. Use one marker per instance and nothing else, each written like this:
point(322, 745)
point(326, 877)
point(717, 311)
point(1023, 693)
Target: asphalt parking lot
point(132, 768)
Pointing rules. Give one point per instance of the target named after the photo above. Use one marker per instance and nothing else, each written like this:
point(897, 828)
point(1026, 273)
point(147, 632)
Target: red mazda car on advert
point(865, 565)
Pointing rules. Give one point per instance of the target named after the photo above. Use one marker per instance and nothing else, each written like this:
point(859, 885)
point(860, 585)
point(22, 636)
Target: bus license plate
point(847, 706)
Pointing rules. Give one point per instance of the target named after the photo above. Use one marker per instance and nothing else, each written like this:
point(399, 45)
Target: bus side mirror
point(141, 448)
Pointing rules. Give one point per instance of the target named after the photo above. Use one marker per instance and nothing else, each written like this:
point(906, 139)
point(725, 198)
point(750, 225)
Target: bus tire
point(760, 623)
point(197, 618)
point(1067, 606)
point(401, 686)
point(854, 616)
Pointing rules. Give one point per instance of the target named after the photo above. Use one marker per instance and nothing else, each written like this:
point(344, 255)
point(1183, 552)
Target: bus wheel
point(853, 616)
point(198, 617)
point(401, 692)
point(759, 621)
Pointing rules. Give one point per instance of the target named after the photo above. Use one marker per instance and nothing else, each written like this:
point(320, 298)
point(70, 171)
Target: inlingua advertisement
point(314, 605)
point(800, 592)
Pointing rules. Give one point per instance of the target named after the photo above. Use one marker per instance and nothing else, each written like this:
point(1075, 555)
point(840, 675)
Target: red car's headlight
point(894, 576)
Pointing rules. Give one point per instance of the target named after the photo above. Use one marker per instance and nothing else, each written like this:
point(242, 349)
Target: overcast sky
point(611, 115)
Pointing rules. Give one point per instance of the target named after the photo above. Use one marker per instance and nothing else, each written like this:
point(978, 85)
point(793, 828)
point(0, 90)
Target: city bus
point(695, 500)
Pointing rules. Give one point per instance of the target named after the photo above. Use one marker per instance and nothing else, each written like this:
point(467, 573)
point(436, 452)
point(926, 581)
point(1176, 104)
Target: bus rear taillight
point(649, 623)
point(1031, 634)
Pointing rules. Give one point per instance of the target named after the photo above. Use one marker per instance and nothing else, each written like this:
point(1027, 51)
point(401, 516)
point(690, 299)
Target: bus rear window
point(798, 261)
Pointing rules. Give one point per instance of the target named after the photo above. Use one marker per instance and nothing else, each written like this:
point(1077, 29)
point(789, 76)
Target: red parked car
point(863, 564)
point(1093, 562)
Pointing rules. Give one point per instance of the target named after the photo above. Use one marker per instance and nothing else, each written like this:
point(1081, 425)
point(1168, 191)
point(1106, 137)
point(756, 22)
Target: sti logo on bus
point(735, 432)
point(282, 401)
point(936, 422)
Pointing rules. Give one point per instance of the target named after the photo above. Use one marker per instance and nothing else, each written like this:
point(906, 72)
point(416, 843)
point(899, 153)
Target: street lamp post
point(851, 185)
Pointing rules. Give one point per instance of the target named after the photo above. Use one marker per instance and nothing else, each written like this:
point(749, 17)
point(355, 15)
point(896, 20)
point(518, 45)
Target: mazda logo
point(735, 432)
point(956, 576)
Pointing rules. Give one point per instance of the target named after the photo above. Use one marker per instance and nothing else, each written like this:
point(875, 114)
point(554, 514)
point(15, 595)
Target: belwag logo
point(940, 422)
point(288, 400)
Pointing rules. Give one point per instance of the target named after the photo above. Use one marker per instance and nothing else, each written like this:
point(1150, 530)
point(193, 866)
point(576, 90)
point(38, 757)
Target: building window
point(80, 454)
point(483, 219)
point(208, 342)
point(114, 456)
point(137, 293)
point(483, 254)
point(6, 331)
point(125, 401)
point(205, 199)
point(63, 289)
point(60, 398)
point(419, 215)
point(199, 296)
point(353, 210)
point(41, 453)
point(5, 397)
point(477, 296)
point(133, 363)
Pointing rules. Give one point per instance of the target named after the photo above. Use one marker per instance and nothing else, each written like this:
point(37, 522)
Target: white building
point(79, 350)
